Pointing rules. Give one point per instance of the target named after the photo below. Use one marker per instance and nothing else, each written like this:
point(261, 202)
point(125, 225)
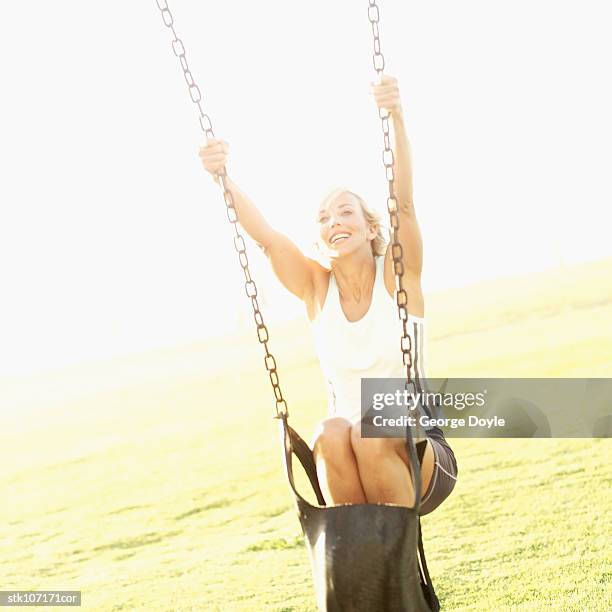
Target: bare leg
point(384, 468)
point(336, 463)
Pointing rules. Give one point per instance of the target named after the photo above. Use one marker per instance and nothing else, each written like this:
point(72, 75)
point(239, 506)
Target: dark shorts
point(444, 474)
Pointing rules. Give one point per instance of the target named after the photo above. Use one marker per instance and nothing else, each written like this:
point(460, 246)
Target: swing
point(364, 557)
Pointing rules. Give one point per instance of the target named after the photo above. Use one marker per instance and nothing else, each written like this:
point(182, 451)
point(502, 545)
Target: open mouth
point(338, 238)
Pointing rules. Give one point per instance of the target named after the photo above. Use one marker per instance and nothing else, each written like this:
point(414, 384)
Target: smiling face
point(343, 227)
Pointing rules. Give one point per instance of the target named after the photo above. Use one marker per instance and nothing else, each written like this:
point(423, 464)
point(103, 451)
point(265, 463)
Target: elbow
point(406, 206)
point(265, 240)
point(262, 247)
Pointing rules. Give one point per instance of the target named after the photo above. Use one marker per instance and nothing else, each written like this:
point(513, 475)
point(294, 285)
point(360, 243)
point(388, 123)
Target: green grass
point(155, 482)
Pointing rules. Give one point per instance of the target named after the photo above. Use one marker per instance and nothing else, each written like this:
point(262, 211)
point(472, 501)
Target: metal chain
point(239, 243)
point(401, 297)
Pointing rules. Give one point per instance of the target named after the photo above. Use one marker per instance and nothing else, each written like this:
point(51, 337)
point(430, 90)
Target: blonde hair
point(379, 242)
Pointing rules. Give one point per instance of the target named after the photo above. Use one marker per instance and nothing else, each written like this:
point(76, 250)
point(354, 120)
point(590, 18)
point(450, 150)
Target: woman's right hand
point(214, 156)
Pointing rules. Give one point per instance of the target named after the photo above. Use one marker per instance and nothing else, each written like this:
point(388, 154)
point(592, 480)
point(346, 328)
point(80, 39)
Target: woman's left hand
point(387, 96)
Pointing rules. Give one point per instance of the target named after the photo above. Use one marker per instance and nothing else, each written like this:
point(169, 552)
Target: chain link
point(239, 244)
point(401, 297)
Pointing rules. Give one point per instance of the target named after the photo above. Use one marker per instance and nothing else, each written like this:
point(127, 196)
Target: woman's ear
point(373, 231)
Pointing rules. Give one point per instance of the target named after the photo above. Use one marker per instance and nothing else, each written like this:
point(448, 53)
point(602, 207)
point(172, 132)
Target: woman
point(354, 317)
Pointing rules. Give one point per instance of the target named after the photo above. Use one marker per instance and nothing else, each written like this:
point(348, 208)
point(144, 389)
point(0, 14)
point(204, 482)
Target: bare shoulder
point(320, 283)
point(410, 282)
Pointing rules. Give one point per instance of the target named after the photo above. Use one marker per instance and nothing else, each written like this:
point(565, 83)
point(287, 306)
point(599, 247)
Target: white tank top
point(368, 348)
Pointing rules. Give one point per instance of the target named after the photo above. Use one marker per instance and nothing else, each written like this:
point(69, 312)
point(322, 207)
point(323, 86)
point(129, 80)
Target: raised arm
point(294, 270)
point(387, 97)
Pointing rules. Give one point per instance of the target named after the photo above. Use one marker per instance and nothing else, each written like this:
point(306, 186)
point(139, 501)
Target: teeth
point(338, 237)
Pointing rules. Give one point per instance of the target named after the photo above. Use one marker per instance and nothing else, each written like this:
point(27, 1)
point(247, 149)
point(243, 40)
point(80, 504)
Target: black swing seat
point(364, 557)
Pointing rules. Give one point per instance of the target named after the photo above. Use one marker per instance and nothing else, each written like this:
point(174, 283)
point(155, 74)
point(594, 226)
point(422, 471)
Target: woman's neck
point(355, 275)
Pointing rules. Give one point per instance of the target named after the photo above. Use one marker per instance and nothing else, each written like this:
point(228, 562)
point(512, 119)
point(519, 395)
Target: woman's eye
point(347, 212)
point(323, 219)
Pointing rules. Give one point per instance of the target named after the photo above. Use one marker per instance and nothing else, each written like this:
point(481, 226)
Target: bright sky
point(112, 237)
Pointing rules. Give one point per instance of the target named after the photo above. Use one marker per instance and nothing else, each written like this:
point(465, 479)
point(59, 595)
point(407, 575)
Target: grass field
point(155, 482)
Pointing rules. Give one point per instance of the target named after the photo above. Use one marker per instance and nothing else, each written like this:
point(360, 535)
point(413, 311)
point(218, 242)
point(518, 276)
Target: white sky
point(113, 239)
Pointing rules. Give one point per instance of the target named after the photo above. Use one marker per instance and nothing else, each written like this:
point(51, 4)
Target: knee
point(332, 439)
point(370, 448)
